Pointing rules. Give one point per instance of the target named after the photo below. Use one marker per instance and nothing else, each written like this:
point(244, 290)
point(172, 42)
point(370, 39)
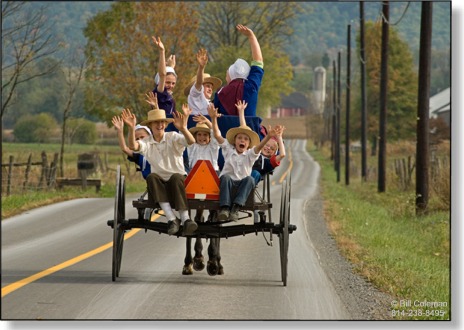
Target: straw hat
point(207, 78)
point(231, 133)
point(156, 115)
point(200, 127)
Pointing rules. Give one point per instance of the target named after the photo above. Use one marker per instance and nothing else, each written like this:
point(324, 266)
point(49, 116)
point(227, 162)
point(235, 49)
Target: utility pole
point(383, 98)
point(422, 147)
point(334, 111)
point(339, 105)
point(363, 96)
point(347, 123)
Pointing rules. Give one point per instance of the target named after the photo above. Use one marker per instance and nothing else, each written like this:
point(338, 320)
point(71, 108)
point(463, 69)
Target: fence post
point(10, 170)
point(52, 174)
point(83, 176)
point(100, 163)
point(28, 170)
point(43, 176)
point(411, 166)
point(106, 162)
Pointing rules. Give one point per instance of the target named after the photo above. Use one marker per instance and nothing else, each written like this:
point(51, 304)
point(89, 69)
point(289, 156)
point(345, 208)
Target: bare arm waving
point(254, 44)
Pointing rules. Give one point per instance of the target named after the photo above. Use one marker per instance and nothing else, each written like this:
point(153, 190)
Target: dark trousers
point(171, 191)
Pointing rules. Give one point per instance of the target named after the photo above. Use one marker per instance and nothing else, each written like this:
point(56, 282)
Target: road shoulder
point(362, 300)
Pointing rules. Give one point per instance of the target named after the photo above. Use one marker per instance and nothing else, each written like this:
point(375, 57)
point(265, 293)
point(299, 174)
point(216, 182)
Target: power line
point(399, 20)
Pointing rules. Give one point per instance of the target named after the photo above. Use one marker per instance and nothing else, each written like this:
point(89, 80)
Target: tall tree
point(123, 59)
point(74, 75)
point(41, 94)
point(402, 86)
point(26, 39)
point(270, 22)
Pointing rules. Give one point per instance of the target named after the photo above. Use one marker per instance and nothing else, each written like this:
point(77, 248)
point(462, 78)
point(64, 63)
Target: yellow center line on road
point(19, 284)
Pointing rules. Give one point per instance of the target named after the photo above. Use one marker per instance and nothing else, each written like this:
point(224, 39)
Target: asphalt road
point(56, 265)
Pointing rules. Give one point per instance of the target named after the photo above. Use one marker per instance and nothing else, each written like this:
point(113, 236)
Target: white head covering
point(240, 69)
point(169, 69)
point(142, 127)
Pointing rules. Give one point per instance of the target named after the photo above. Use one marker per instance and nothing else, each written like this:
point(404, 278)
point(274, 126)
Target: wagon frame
point(208, 230)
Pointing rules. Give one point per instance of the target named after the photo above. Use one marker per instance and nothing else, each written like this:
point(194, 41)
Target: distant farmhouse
point(295, 104)
point(440, 106)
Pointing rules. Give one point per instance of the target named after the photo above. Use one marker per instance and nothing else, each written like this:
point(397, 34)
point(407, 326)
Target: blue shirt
point(165, 100)
point(142, 162)
point(250, 92)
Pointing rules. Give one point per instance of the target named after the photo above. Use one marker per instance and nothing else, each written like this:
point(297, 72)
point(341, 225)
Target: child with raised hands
point(141, 132)
point(165, 78)
point(240, 149)
point(243, 79)
point(206, 147)
point(272, 154)
point(201, 87)
point(164, 152)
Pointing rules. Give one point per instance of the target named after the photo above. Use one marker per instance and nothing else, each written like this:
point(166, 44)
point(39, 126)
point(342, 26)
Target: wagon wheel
point(284, 236)
point(268, 195)
point(287, 224)
point(119, 215)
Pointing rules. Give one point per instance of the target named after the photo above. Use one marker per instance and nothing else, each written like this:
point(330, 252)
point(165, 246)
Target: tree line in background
point(124, 59)
point(120, 59)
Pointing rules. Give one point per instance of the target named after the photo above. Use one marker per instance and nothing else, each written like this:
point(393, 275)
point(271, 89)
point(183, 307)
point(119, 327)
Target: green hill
point(319, 29)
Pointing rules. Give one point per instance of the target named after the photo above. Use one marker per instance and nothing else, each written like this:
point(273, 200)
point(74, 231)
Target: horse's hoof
point(199, 263)
point(187, 270)
point(220, 270)
point(212, 268)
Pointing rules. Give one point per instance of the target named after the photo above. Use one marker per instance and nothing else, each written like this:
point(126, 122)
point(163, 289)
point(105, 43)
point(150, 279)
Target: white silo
point(318, 94)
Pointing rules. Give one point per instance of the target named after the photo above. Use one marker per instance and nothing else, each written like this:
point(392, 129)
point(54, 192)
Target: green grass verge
point(401, 254)
point(16, 204)
point(20, 202)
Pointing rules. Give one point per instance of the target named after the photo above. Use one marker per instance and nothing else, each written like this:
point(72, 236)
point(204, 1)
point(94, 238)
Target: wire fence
point(32, 175)
point(20, 177)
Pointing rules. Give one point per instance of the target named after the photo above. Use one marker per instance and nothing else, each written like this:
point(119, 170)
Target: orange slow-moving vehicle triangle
point(202, 182)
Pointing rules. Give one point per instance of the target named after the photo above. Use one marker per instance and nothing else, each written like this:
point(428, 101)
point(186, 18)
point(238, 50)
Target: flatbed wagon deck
point(210, 229)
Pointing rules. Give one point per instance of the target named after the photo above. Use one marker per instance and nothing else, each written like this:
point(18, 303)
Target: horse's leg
point(213, 252)
point(188, 261)
point(198, 260)
point(212, 266)
point(220, 268)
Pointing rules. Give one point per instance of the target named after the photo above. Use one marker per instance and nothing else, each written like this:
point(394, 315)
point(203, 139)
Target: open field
point(295, 127)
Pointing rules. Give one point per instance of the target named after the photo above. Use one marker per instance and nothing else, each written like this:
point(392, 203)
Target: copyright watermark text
point(418, 308)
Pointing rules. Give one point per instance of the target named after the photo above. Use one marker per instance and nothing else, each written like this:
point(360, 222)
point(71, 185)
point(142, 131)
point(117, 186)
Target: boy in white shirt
point(240, 149)
point(164, 152)
point(206, 147)
point(201, 87)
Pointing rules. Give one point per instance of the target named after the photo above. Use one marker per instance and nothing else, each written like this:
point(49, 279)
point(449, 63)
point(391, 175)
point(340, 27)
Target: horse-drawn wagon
point(200, 187)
